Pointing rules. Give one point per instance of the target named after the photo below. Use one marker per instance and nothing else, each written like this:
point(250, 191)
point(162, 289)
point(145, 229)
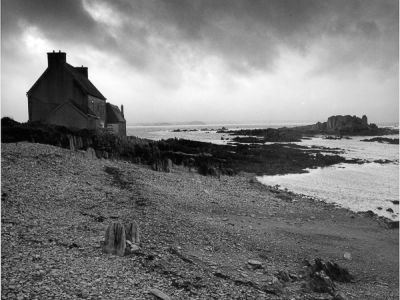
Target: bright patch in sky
point(34, 41)
point(101, 12)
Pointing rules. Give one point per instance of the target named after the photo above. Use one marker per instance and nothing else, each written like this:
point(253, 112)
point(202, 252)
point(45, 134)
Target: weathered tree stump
point(132, 233)
point(121, 240)
point(115, 240)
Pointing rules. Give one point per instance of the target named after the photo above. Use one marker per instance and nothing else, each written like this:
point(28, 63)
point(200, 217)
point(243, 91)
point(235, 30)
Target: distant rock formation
point(344, 125)
point(347, 123)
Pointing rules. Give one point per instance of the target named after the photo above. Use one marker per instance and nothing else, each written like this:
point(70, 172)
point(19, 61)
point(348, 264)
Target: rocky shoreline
point(202, 237)
point(382, 140)
point(289, 195)
point(206, 158)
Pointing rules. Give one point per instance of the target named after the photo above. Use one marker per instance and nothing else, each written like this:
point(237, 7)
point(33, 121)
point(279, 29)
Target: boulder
point(331, 269)
point(392, 224)
point(321, 283)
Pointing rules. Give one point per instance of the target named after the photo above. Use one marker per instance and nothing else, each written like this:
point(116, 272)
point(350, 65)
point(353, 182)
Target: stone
point(396, 202)
point(132, 233)
point(321, 283)
point(159, 294)
point(115, 240)
point(392, 224)
point(333, 270)
point(389, 210)
point(131, 248)
point(347, 255)
point(255, 264)
point(339, 296)
point(283, 275)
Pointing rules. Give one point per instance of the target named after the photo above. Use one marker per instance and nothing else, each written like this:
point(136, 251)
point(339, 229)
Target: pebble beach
point(201, 236)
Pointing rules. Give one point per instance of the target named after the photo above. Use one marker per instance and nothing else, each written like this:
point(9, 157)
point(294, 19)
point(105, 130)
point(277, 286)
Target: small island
point(336, 127)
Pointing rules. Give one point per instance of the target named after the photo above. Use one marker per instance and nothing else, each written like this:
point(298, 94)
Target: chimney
point(122, 111)
point(55, 59)
point(82, 70)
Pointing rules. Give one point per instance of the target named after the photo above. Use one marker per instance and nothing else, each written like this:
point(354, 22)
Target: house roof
point(36, 82)
point(84, 82)
point(114, 115)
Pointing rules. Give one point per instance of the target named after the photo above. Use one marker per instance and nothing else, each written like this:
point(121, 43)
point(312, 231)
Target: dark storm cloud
point(246, 35)
point(56, 18)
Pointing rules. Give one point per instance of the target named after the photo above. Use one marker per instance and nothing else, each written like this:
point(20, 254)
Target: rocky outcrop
point(347, 123)
point(382, 140)
point(343, 125)
point(321, 276)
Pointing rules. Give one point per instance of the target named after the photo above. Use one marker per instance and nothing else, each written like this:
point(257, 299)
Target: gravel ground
point(198, 234)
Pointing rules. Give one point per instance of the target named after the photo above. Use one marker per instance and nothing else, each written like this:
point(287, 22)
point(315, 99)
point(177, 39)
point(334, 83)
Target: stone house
point(63, 95)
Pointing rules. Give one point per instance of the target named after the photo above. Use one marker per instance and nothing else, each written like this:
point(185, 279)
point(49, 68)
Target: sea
point(358, 187)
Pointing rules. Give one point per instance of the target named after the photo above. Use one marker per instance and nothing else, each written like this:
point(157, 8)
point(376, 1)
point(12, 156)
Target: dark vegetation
point(206, 158)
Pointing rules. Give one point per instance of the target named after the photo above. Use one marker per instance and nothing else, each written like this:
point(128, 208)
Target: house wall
point(70, 117)
point(79, 98)
point(54, 88)
point(122, 129)
point(117, 128)
point(57, 86)
point(98, 106)
point(112, 128)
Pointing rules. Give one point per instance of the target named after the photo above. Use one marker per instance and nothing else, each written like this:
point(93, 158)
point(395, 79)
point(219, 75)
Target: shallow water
point(357, 187)
point(201, 134)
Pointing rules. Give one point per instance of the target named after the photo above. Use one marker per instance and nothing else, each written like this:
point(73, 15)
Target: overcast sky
point(208, 60)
